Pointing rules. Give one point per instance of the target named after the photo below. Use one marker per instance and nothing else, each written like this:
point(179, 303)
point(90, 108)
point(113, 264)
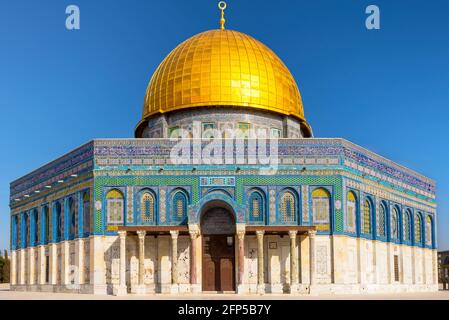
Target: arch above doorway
point(196, 211)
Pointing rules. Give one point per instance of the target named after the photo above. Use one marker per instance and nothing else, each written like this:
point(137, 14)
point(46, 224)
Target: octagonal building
point(190, 205)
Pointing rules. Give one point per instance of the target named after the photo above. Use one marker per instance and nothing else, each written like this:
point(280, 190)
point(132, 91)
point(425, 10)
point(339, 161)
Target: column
point(31, 268)
point(241, 258)
point(260, 263)
point(194, 234)
point(97, 268)
point(79, 262)
point(312, 235)
point(65, 263)
point(174, 261)
point(41, 265)
point(141, 288)
point(53, 264)
point(22, 280)
point(121, 289)
point(13, 268)
point(293, 262)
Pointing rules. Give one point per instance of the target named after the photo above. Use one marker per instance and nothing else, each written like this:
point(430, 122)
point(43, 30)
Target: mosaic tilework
point(272, 203)
point(130, 207)
point(299, 150)
point(76, 162)
point(305, 203)
point(162, 202)
point(156, 152)
point(142, 181)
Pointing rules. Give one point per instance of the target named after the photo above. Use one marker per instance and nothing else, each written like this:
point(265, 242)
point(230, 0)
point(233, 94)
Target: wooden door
point(218, 263)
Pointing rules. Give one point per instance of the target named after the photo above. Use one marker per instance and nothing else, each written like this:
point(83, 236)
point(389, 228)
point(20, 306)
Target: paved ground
point(5, 294)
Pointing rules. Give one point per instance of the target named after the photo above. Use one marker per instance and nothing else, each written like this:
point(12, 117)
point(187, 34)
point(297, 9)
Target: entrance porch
point(247, 259)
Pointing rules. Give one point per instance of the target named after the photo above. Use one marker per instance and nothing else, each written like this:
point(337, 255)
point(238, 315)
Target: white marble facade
point(342, 264)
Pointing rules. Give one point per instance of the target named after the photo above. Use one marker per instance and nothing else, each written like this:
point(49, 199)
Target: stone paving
point(5, 294)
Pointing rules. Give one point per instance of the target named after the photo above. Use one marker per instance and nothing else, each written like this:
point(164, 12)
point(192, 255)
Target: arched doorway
point(218, 232)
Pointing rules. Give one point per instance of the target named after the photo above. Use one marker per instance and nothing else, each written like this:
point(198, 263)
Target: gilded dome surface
point(222, 68)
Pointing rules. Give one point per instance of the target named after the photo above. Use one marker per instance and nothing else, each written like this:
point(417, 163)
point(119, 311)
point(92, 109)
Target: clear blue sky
point(386, 90)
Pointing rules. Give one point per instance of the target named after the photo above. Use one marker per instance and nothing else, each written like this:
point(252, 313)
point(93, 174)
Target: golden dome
point(222, 68)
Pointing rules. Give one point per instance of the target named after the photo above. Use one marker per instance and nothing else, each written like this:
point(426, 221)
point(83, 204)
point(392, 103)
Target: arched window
point(35, 235)
point(59, 227)
point(86, 212)
point(27, 230)
point(72, 218)
point(367, 212)
point(147, 207)
point(381, 219)
point(179, 207)
point(115, 207)
point(16, 230)
point(288, 207)
point(46, 224)
point(418, 229)
point(256, 207)
point(351, 211)
point(321, 206)
point(395, 223)
point(407, 225)
point(429, 234)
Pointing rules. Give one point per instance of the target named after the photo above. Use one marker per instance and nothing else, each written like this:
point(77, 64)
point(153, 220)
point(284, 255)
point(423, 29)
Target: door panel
point(218, 263)
point(227, 274)
point(209, 283)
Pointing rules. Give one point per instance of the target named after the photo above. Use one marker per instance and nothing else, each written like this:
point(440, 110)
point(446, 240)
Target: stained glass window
point(36, 227)
point(288, 207)
point(429, 231)
point(60, 218)
point(58, 221)
point(407, 226)
point(395, 224)
point(179, 206)
point(72, 217)
point(174, 132)
point(321, 208)
point(47, 224)
point(381, 218)
point(115, 207)
point(244, 129)
point(351, 212)
point(147, 208)
point(27, 230)
point(275, 133)
point(418, 229)
point(208, 130)
point(366, 227)
point(256, 207)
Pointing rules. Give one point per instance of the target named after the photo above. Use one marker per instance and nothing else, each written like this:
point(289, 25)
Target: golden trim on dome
point(222, 68)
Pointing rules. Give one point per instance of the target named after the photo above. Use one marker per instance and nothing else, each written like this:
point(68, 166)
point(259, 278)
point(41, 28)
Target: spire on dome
point(222, 6)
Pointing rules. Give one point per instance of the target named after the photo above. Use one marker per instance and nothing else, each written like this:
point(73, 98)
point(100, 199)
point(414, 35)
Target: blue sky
point(387, 90)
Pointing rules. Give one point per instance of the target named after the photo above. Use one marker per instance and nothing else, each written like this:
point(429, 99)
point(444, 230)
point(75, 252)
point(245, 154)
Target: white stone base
point(139, 289)
point(242, 289)
point(184, 288)
point(195, 288)
point(261, 289)
point(119, 290)
point(294, 288)
point(165, 288)
point(174, 289)
point(276, 288)
point(300, 289)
